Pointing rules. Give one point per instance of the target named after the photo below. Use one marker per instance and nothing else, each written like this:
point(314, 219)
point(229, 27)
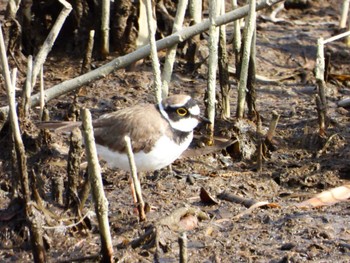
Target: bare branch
point(122, 62)
point(153, 45)
point(95, 178)
point(49, 41)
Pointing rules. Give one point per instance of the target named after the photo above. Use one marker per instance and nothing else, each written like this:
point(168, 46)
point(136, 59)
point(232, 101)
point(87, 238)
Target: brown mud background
point(300, 165)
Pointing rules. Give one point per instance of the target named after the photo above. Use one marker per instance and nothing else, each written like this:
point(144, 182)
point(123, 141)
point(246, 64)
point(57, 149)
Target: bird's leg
point(132, 186)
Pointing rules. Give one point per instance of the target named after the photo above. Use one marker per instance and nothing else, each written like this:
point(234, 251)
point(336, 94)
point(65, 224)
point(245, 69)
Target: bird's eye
point(181, 111)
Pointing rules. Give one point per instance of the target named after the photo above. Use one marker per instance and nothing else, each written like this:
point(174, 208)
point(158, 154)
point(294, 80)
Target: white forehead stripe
point(194, 110)
point(162, 111)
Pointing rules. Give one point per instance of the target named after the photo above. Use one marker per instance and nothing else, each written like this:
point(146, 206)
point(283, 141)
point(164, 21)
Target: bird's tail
point(58, 126)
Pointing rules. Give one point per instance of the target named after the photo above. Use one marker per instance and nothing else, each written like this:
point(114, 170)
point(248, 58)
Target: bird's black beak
point(204, 119)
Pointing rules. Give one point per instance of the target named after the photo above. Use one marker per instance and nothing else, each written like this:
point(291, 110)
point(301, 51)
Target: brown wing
point(139, 122)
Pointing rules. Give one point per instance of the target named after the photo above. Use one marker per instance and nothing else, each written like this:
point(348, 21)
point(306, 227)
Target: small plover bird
point(159, 133)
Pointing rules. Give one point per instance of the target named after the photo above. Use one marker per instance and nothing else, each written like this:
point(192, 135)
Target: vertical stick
point(214, 7)
point(57, 187)
point(11, 9)
point(273, 125)
point(101, 203)
point(237, 41)
point(320, 62)
point(321, 101)
point(248, 35)
point(73, 168)
point(36, 239)
point(10, 88)
point(105, 27)
point(86, 67)
point(50, 39)
point(28, 87)
point(183, 248)
point(171, 53)
point(251, 92)
point(195, 8)
point(42, 92)
point(154, 54)
point(223, 69)
point(259, 139)
point(344, 14)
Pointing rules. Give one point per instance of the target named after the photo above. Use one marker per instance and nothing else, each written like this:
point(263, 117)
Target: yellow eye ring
point(181, 111)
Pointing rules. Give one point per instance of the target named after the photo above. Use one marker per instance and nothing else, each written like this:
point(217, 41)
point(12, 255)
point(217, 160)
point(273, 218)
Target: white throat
point(184, 125)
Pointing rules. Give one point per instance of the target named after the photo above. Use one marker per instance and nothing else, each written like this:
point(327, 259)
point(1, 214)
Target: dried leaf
point(207, 198)
point(273, 205)
point(340, 77)
point(329, 197)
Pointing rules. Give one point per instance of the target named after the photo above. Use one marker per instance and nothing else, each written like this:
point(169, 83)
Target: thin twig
point(251, 80)
point(320, 62)
point(237, 39)
point(154, 55)
point(223, 69)
point(86, 67)
point(73, 168)
point(214, 9)
point(28, 87)
point(344, 14)
point(273, 125)
point(42, 93)
point(321, 113)
point(321, 101)
point(260, 144)
point(105, 27)
point(95, 178)
point(336, 37)
point(183, 247)
point(10, 88)
point(171, 53)
point(248, 37)
point(11, 9)
point(122, 62)
point(195, 8)
point(50, 39)
point(35, 228)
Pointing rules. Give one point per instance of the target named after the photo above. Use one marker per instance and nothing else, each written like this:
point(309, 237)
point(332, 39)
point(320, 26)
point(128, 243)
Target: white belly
point(164, 153)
